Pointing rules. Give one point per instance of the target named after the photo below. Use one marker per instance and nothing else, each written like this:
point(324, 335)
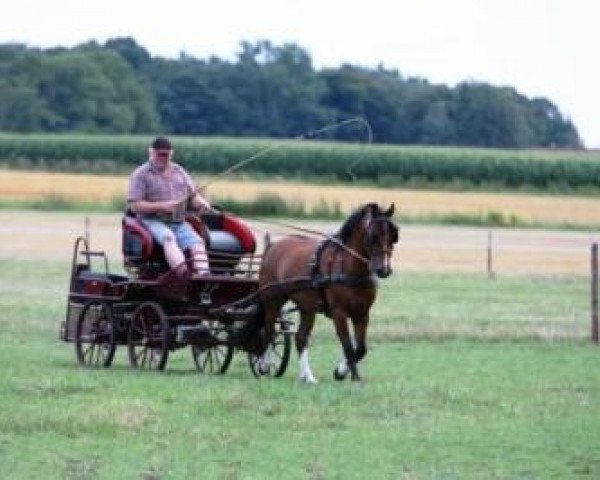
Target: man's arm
point(148, 208)
point(198, 202)
point(196, 199)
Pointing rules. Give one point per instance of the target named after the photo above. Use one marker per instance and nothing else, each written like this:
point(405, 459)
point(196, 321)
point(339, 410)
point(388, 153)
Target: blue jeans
point(185, 235)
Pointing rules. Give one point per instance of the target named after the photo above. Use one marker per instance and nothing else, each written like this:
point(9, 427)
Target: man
point(160, 192)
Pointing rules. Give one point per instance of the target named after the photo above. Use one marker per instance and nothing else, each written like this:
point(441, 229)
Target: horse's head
point(380, 236)
point(371, 232)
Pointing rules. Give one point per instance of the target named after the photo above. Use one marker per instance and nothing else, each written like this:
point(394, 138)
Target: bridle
point(373, 250)
point(377, 250)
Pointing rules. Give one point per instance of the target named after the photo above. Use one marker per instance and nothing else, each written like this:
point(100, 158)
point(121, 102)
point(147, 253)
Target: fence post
point(490, 270)
point(594, 293)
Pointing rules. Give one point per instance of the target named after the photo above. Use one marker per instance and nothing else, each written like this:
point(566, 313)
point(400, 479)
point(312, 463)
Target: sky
point(542, 48)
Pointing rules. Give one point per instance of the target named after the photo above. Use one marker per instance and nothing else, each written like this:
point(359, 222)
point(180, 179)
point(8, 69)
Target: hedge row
point(385, 165)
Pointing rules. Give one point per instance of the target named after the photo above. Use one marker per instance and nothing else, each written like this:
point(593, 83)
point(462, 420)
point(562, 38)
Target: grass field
point(466, 377)
point(411, 204)
point(435, 402)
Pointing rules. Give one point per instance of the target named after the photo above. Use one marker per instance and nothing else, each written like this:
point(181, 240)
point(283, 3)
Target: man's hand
point(198, 202)
point(167, 206)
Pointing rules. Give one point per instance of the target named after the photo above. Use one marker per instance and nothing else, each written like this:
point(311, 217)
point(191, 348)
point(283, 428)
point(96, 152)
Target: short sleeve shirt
point(152, 185)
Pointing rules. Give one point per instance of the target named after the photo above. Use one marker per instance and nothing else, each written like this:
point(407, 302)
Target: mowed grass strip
point(528, 208)
point(427, 409)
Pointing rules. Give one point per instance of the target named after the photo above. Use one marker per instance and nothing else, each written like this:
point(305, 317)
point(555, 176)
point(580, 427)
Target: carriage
point(248, 302)
point(154, 310)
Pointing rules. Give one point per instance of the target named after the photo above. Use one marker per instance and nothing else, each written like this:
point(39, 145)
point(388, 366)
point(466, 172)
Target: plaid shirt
point(150, 184)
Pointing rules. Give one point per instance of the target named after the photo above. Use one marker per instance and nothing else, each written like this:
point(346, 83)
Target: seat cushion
point(221, 241)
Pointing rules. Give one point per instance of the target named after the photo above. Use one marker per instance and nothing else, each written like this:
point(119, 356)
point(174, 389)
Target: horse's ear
point(390, 211)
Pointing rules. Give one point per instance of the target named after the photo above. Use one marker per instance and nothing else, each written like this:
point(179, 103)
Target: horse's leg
point(360, 335)
point(307, 322)
point(341, 328)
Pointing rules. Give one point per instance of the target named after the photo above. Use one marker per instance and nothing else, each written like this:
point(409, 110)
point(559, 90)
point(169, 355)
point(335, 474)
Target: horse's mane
point(348, 226)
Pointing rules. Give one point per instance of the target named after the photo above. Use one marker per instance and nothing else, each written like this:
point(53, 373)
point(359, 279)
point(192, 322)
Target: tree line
point(267, 91)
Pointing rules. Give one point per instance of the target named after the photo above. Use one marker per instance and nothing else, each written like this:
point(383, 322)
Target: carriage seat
point(221, 241)
point(222, 233)
point(228, 234)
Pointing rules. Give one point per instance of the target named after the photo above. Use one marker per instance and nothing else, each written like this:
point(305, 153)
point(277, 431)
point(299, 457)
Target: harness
point(321, 280)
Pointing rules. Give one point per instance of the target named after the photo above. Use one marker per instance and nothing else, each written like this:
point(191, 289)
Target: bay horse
point(335, 276)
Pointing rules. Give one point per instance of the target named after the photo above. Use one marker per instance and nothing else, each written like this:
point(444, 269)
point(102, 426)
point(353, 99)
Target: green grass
point(446, 394)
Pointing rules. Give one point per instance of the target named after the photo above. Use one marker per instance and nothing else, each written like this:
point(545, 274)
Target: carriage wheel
point(281, 345)
point(213, 359)
point(148, 337)
point(94, 337)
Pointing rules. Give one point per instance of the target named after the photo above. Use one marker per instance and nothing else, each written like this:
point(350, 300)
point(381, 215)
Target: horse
point(335, 276)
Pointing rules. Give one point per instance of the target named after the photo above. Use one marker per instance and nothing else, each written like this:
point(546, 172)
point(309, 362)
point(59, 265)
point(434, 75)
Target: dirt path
point(25, 234)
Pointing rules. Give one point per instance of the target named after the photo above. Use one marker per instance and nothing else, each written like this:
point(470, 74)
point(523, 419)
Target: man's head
point(160, 152)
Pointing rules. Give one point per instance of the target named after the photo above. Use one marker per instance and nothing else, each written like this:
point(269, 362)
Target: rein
point(330, 238)
point(313, 133)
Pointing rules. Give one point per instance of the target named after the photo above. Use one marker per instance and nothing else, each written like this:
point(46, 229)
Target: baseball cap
point(161, 143)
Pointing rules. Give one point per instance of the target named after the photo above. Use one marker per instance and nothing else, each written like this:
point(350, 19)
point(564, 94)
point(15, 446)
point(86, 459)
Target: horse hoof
point(337, 375)
point(309, 380)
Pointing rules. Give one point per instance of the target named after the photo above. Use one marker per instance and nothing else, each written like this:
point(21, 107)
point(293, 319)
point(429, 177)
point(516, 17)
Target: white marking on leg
point(306, 374)
point(342, 368)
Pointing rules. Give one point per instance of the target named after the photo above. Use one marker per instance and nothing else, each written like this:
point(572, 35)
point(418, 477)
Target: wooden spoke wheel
point(279, 349)
point(94, 337)
point(148, 337)
point(213, 358)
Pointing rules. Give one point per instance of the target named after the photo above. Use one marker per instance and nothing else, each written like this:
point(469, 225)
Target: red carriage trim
point(239, 230)
point(132, 225)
